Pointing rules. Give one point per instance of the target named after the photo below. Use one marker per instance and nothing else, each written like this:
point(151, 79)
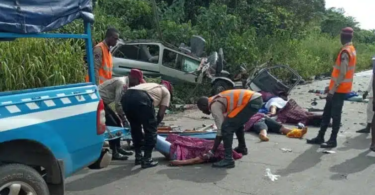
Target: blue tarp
point(35, 16)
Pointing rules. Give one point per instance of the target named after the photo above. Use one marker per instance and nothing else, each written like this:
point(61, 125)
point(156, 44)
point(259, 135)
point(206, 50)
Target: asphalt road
point(305, 170)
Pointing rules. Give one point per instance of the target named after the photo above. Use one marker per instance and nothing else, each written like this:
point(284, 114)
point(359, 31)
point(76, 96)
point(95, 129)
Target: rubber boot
point(241, 148)
point(138, 156)
point(147, 161)
point(228, 161)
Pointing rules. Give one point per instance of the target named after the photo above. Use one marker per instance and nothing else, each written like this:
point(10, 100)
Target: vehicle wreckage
point(191, 65)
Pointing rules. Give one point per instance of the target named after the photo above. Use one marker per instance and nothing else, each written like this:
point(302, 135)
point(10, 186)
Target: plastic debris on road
point(328, 152)
point(271, 176)
point(286, 149)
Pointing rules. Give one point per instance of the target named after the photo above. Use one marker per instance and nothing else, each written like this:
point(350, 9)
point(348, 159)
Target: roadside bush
point(250, 32)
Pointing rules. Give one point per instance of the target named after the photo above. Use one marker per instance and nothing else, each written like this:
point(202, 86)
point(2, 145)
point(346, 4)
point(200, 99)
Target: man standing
point(340, 84)
point(239, 105)
point(370, 113)
point(103, 58)
point(111, 91)
point(372, 147)
point(139, 104)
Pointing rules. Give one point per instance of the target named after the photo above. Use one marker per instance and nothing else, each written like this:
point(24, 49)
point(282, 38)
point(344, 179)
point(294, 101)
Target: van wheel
point(20, 179)
point(220, 86)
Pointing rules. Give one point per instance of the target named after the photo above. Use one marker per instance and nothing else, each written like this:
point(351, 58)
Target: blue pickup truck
point(47, 134)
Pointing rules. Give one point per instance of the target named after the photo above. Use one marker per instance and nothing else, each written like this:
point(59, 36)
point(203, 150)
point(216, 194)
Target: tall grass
point(313, 55)
point(32, 63)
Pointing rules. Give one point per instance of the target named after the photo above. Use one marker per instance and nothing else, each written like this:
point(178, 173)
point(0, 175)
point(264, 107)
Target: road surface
point(305, 170)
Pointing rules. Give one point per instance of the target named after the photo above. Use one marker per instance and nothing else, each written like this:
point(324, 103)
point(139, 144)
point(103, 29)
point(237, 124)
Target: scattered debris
point(205, 117)
point(271, 176)
point(329, 152)
point(286, 149)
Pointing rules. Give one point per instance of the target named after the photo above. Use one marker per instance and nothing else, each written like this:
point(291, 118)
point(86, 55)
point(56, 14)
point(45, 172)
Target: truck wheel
point(220, 86)
point(20, 179)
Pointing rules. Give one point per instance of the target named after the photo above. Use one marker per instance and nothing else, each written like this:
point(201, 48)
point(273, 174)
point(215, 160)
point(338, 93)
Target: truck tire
point(220, 86)
point(22, 179)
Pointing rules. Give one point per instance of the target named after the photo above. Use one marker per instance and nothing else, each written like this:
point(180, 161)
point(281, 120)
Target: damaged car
point(190, 65)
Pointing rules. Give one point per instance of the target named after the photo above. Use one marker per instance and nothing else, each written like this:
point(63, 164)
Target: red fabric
point(292, 113)
point(347, 30)
point(168, 85)
point(185, 147)
point(137, 74)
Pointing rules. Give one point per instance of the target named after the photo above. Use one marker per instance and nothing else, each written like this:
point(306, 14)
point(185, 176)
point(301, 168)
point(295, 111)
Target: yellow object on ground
point(297, 133)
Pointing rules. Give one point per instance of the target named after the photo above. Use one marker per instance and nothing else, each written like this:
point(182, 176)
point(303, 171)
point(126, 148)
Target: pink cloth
point(292, 113)
point(185, 147)
point(252, 120)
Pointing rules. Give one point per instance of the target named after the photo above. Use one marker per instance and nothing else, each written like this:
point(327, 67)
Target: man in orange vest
point(340, 84)
point(231, 109)
point(103, 58)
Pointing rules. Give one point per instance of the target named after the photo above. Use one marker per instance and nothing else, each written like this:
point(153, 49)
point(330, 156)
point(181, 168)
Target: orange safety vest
point(105, 71)
point(346, 85)
point(237, 99)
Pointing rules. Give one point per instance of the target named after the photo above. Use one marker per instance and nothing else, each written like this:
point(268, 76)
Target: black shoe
point(225, 163)
point(329, 144)
point(148, 163)
point(243, 151)
point(138, 157)
point(366, 129)
point(118, 156)
point(137, 161)
point(315, 141)
point(124, 152)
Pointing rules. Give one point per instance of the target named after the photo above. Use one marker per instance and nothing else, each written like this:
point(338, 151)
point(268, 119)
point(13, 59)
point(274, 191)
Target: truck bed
point(63, 119)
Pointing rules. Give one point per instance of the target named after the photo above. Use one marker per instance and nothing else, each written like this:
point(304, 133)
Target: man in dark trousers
point(340, 84)
point(111, 91)
point(231, 109)
point(372, 147)
point(139, 104)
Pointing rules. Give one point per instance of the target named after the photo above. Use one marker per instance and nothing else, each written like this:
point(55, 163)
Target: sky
point(361, 10)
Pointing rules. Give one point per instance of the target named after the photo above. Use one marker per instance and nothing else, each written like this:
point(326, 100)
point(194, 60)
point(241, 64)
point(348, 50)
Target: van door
point(128, 56)
point(177, 67)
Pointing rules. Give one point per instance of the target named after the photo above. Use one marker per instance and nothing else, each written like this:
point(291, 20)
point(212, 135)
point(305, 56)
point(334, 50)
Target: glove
point(365, 94)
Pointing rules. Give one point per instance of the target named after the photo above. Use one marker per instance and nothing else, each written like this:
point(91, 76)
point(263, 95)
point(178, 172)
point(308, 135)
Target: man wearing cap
point(111, 91)
point(139, 104)
point(340, 84)
point(372, 147)
point(369, 94)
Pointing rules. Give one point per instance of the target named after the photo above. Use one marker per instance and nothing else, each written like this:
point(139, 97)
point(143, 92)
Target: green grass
point(32, 63)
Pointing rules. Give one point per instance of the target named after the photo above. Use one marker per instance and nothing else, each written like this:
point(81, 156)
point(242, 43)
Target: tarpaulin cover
point(35, 16)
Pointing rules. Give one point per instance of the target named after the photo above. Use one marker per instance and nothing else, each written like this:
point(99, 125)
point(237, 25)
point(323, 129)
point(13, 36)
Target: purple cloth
point(185, 147)
point(292, 113)
point(252, 120)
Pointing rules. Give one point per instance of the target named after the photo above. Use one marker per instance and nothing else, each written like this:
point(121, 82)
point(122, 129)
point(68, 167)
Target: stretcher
point(124, 133)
